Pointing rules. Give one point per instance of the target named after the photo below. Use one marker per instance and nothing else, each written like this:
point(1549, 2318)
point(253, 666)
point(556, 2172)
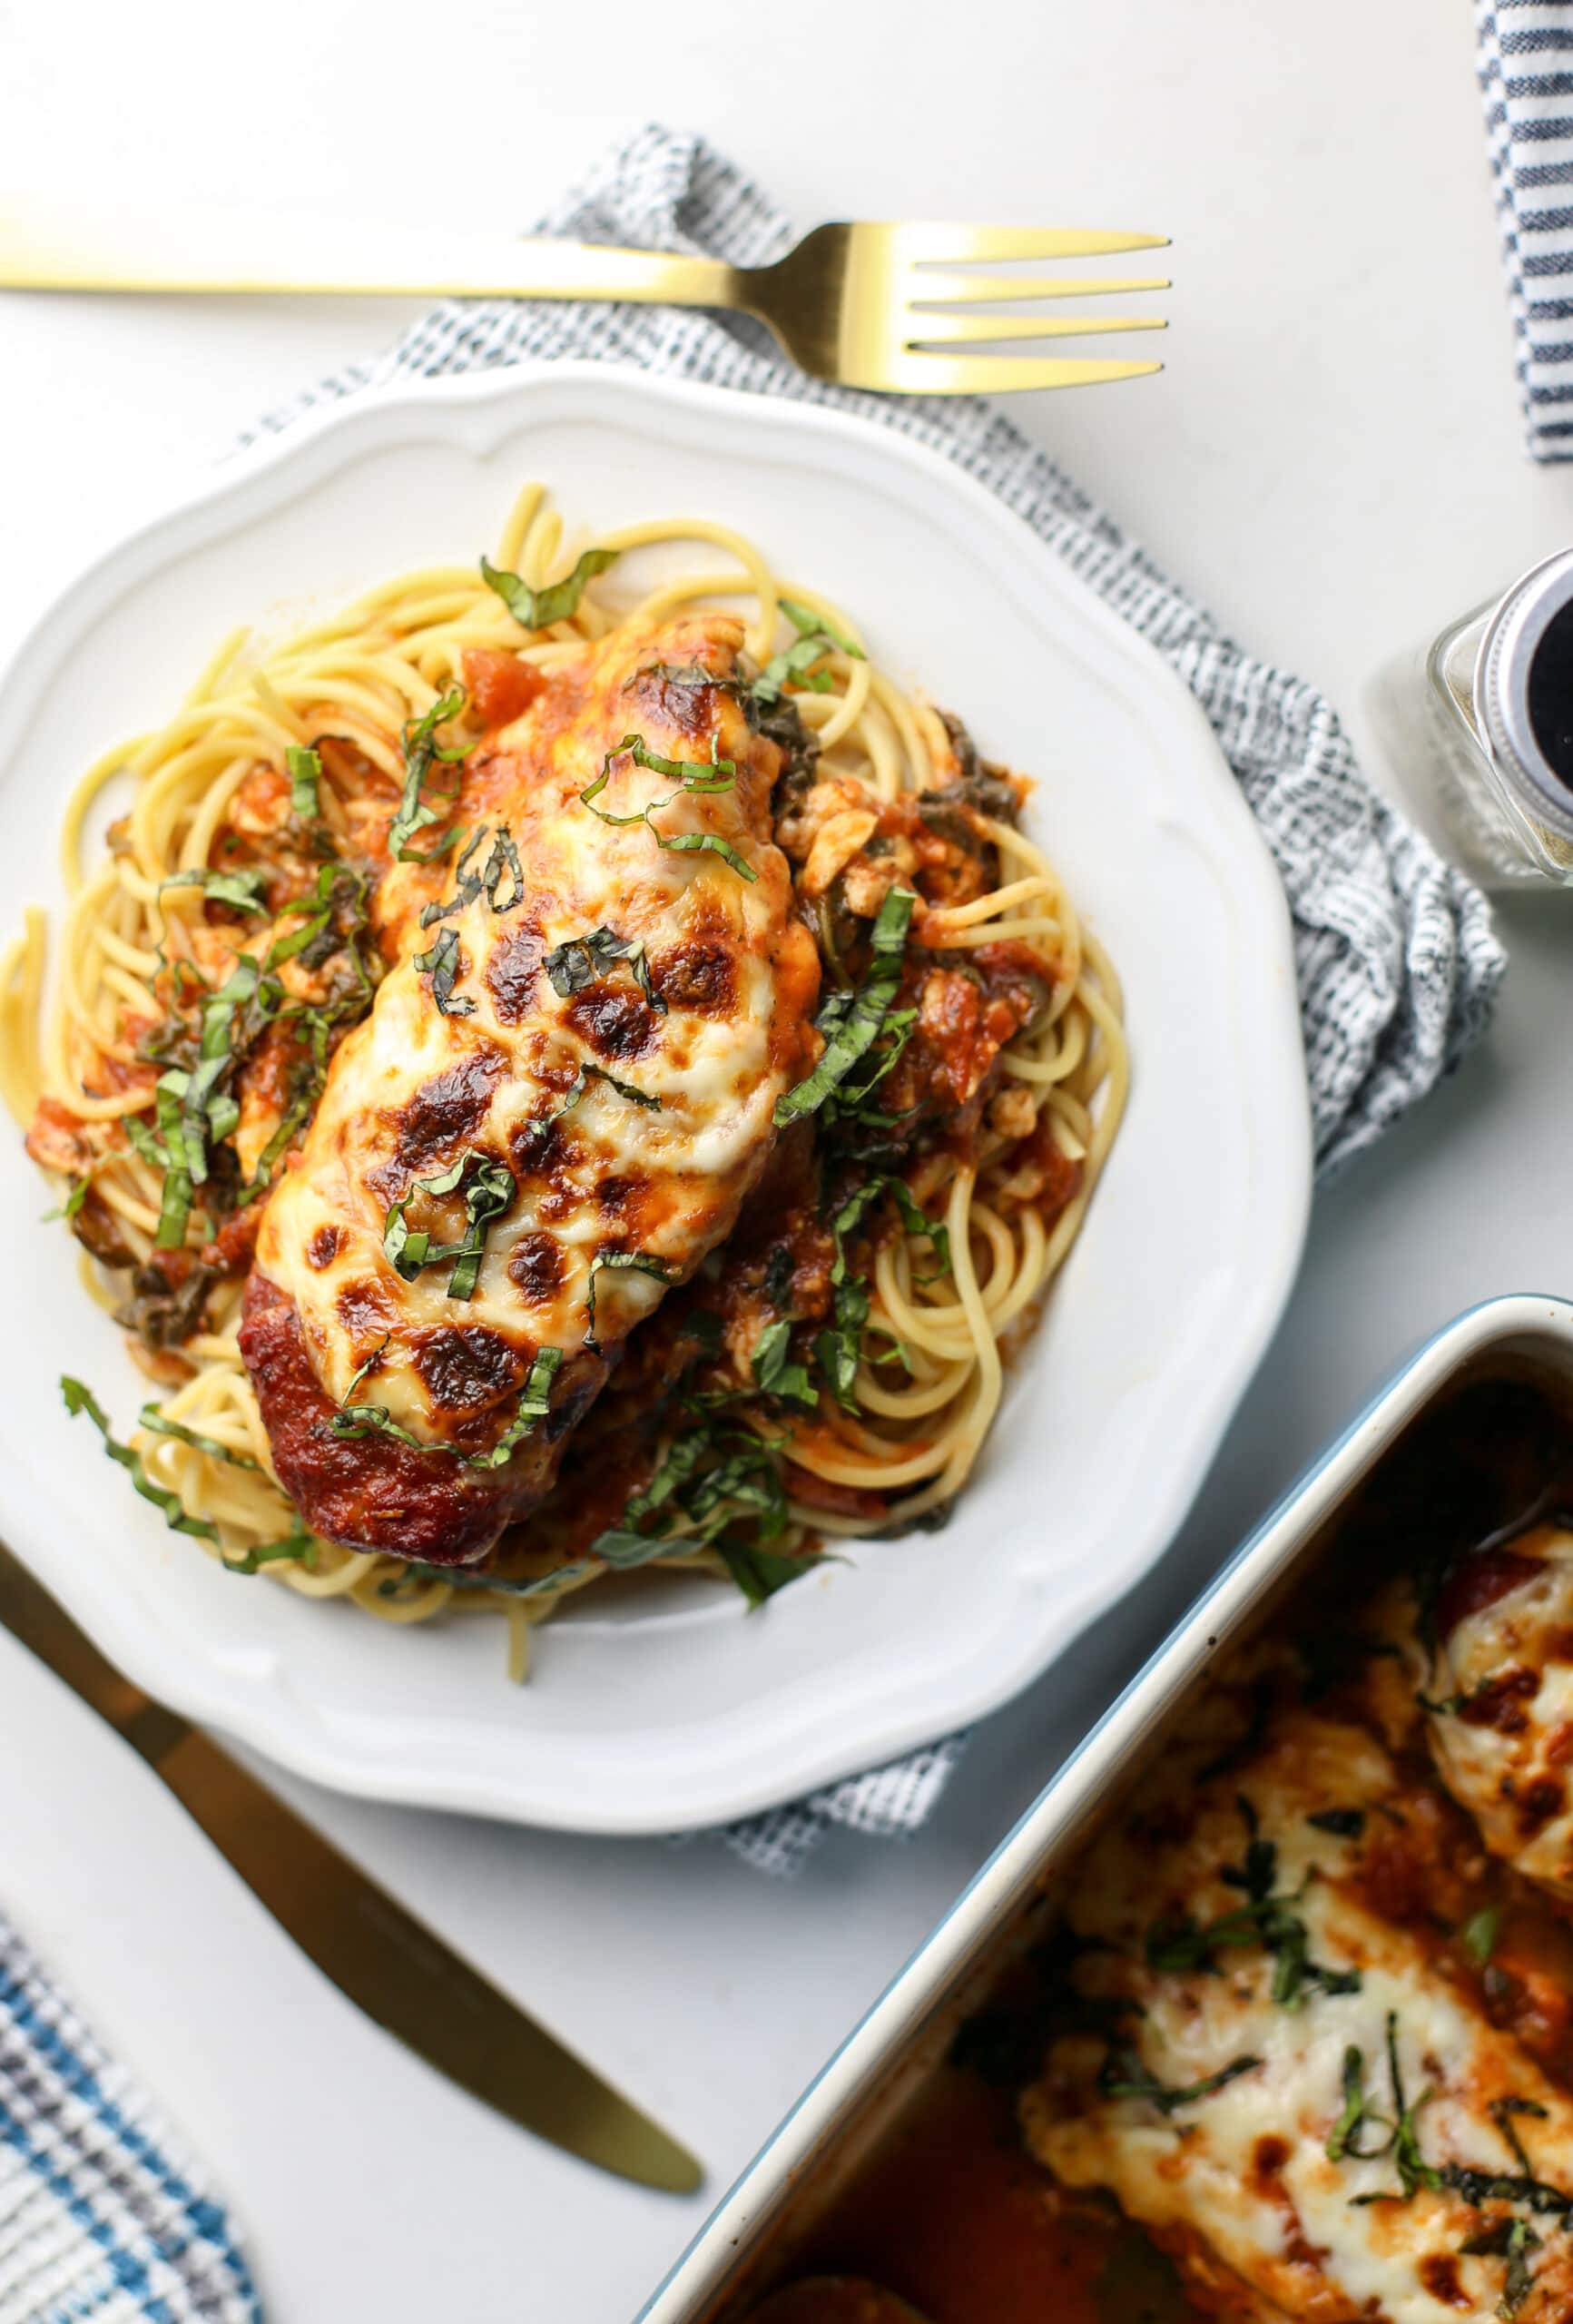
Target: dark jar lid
point(1524, 690)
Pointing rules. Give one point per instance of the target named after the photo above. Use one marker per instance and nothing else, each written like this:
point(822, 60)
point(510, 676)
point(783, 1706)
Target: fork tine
point(926, 374)
point(964, 290)
point(946, 244)
point(963, 330)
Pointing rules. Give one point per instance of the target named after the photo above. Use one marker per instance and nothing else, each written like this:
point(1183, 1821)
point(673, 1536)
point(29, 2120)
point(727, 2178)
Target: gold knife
point(378, 1954)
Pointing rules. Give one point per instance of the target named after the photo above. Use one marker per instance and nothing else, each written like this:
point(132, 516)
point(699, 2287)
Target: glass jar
point(1480, 729)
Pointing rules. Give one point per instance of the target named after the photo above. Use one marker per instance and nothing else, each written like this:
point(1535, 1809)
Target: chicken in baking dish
point(1296, 2040)
point(1315, 2026)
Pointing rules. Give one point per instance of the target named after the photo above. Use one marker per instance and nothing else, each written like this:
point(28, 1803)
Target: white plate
point(672, 1707)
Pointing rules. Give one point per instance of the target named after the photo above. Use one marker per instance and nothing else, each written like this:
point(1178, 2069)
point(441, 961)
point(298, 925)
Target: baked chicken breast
point(562, 1095)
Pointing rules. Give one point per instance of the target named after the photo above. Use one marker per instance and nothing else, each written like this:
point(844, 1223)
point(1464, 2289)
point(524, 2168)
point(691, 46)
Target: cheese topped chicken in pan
point(1315, 2025)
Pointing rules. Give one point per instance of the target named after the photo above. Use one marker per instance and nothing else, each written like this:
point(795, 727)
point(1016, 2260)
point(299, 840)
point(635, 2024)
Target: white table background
point(1332, 459)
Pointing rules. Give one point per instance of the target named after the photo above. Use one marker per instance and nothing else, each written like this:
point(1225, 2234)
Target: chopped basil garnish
point(580, 961)
point(305, 777)
point(1267, 1920)
point(913, 1216)
point(488, 1195)
point(850, 1022)
point(189, 1108)
point(241, 891)
point(838, 1346)
point(1123, 2075)
point(354, 1419)
point(531, 1135)
point(775, 1375)
point(1401, 2125)
point(642, 1262)
point(711, 1475)
point(442, 964)
point(299, 1547)
point(1505, 2186)
point(759, 1574)
point(79, 1399)
point(1356, 2111)
point(422, 750)
point(694, 775)
point(793, 666)
point(152, 1418)
point(1479, 1934)
point(466, 884)
point(75, 1199)
point(502, 860)
point(539, 608)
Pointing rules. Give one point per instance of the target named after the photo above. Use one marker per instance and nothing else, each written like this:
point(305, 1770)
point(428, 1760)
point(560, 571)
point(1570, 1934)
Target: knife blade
point(379, 1955)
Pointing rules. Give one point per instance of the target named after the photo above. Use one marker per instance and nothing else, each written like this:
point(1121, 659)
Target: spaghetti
point(855, 1329)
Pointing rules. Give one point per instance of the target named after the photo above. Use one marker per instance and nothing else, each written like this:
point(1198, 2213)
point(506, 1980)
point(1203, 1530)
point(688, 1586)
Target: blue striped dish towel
point(1526, 75)
point(102, 2215)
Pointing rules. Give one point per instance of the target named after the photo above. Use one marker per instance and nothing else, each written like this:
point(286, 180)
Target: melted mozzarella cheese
point(412, 1090)
point(1504, 1748)
point(1240, 2177)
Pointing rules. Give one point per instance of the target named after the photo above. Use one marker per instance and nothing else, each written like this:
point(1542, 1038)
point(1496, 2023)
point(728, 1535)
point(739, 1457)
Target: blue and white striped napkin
point(102, 2215)
point(1526, 75)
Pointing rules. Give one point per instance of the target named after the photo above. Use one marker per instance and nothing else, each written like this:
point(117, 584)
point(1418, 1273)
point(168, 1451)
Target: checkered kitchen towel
point(1398, 965)
point(101, 2216)
point(1526, 76)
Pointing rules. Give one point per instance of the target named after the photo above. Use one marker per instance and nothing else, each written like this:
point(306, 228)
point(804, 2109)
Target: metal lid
point(1508, 650)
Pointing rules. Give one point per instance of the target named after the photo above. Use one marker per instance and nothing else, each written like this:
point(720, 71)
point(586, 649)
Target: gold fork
point(861, 304)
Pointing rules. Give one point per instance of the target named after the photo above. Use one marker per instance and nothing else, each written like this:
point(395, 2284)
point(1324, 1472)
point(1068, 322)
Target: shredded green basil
point(491, 1191)
point(421, 752)
point(849, 1022)
point(502, 861)
point(305, 777)
point(774, 1373)
point(299, 1547)
point(81, 1399)
point(642, 1262)
point(1402, 2126)
point(581, 961)
point(1479, 1934)
point(794, 666)
point(353, 1419)
point(1123, 2075)
point(158, 1423)
point(539, 608)
point(694, 775)
point(442, 964)
point(712, 1475)
point(838, 1346)
point(75, 1199)
point(913, 1216)
point(241, 891)
point(1266, 1919)
point(533, 1133)
point(758, 1572)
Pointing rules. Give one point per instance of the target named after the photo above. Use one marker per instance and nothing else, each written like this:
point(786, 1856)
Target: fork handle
point(188, 253)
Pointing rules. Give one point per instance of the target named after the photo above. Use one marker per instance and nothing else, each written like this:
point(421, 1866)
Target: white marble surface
point(1332, 459)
